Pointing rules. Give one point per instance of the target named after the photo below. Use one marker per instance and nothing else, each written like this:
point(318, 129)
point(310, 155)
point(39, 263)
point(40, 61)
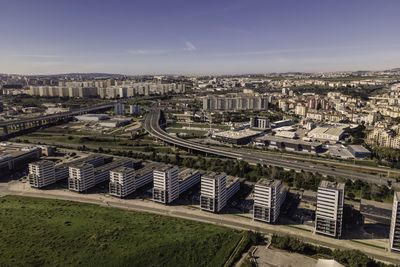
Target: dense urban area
point(246, 168)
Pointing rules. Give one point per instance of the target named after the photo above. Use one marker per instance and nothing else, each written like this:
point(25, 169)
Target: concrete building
point(134, 110)
point(241, 137)
point(269, 196)
point(166, 184)
point(102, 173)
point(359, 151)
point(329, 213)
point(261, 123)
point(394, 238)
point(188, 178)
point(216, 190)
point(81, 177)
point(41, 173)
point(125, 181)
point(119, 109)
point(231, 102)
point(122, 182)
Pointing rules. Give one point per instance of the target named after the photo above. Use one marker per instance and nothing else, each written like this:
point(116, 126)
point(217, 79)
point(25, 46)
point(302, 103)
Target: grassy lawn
point(42, 232)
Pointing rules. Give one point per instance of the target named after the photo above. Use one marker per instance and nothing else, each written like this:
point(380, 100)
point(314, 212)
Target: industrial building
point(359, 151)
point(394, 238)
point(281, 123)
point(329, 213)
point(15, 156)
point(188, 178)
point(295, 145)
point(242, 137)
point(269, 196)
point(216, 190)
point(125, 181)
point(328, 133)
point(166, 184)
point(92, 117)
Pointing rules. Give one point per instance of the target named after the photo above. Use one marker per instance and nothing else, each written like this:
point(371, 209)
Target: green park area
point(43, 232)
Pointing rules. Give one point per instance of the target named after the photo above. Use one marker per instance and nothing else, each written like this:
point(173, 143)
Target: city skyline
point(186, 37)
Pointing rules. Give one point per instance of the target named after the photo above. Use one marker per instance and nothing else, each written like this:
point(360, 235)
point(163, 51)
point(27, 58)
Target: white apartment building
point(216, 190)
point(213, 192)
point(394, 238)
point(41, 173)
point(166, 184)
point(269, 196)
point(329, 213)
point(122, 182)
point(188, 178)
point(125, 181)
point(81, 177)
point(231, 102)
point(102, 173)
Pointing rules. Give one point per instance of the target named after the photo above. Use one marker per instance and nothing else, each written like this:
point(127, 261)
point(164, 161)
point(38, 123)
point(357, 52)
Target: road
point(192, 213)
point(151, 125)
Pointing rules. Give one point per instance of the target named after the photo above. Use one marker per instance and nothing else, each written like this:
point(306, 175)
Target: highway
point(151, 125)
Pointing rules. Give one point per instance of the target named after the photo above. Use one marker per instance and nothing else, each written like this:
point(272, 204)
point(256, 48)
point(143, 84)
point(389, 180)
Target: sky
point(194, 37)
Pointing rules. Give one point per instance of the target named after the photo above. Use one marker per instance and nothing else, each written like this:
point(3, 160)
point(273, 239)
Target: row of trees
point(350, 258)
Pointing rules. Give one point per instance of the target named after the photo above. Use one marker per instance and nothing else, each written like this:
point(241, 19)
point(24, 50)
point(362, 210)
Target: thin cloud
point(190, 46)
point(37, 55)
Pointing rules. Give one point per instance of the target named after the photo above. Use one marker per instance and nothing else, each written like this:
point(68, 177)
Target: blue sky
point(198, 37)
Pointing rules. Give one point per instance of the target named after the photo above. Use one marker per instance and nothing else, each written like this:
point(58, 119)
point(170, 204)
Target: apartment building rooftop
point(122, 169)
point(41, 162)
point(267, 182)
point(231, 180)
point(81, 165)
point(165, 168)
point(332, 185)
point(214, 175)
point(186, 173)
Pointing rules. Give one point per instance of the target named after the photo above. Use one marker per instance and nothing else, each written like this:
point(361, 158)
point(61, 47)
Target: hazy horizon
point(198, 38)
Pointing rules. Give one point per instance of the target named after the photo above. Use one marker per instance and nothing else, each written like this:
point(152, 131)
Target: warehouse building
point(295, 145)
point(166, 184)
point(242, 137)
point(359, 151)
point(329, 213)
point(269, 196)
point(92, 117)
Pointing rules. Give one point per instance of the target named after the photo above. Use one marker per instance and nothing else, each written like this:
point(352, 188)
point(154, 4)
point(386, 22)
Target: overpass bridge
point(152, 126)
point(18, 125)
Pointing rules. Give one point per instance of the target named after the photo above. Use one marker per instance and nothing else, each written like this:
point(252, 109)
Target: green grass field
point(42, 232)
